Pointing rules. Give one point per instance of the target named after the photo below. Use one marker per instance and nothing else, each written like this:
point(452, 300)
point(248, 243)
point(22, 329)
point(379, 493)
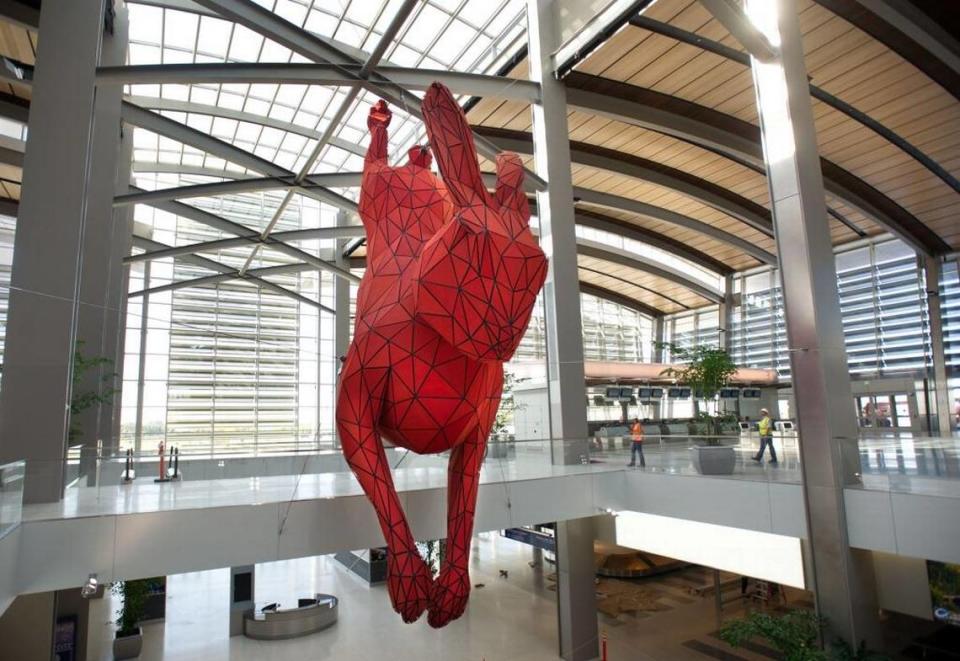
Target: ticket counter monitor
point(787, 431)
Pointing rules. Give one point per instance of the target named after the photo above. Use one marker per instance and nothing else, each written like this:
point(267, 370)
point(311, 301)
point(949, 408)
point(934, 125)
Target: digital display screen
point(242, 587)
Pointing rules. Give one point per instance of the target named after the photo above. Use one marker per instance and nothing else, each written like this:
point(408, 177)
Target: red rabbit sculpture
point(452, 276)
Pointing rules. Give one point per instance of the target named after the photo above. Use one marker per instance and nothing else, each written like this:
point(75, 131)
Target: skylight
point(465, 35)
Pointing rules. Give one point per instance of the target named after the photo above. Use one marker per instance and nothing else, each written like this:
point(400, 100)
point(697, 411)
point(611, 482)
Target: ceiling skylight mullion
point(483, 30)
point(226, 56)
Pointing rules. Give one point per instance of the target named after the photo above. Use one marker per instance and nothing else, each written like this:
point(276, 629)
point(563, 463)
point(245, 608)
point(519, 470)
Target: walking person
point(636, 447)
point(765, 427)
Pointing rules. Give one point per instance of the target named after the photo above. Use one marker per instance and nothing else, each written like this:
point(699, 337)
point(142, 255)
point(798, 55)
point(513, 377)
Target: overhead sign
point(536, 539)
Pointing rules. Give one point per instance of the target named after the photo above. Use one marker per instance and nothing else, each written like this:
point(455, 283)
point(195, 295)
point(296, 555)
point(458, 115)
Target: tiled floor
point(510, 618)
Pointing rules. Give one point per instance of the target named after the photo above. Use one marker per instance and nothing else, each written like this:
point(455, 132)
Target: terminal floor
point(511, 618)
point(903, 463)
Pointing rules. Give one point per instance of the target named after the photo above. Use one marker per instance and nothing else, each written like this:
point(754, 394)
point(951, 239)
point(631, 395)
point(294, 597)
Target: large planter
point(713, 459)
point(128, 647)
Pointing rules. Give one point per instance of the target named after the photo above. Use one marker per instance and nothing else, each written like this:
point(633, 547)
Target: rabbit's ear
point(510, 176)
point(453, 147)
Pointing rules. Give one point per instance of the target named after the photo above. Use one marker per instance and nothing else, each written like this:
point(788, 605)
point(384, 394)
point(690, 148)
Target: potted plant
point(85, 399)
point(498, 446)
point(796, 635)
point(706, 370)
point(129, 638)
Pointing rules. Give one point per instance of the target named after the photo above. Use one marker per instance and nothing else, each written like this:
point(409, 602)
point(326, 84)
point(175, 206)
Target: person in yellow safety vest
point(636, 447)
point(765, 427)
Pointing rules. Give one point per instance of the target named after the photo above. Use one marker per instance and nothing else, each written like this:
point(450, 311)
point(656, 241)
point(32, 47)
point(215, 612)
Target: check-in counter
point(270, 622)
point(613, 437)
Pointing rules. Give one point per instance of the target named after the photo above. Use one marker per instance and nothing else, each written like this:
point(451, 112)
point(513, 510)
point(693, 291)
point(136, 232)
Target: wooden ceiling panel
point(862, 222)
point(658, 196)
point(668, 11)
point(721, 251)
point(841, 58)
point(881, 75)
point(810, 18)
point(833, 47)
point(506, 112)
point(12, 190)
point(731, 93)
point(649, 49)
point(639, 285)
point(615, 49)
point(704, 69)
point(479, 113)
point(15, 42)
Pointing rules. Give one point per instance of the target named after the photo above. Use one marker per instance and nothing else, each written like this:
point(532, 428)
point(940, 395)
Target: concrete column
point(576, 598)
point(561, 292)
point(46, 284)
point(341, 304)
point(27, 627)
point(576, 603)
point(842, 581)
point(933, 269)
point(659, 332)
point(103, 252)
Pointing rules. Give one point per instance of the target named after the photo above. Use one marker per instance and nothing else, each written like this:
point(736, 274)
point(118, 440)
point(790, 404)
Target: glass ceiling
point(469, 35)
point(281, 122)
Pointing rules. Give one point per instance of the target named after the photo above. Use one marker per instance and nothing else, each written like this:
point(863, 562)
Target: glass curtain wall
point(8, 227)
point(690, 329)
point(228, 365)
point(882, 303)
point(611, 332)
point(950, 311)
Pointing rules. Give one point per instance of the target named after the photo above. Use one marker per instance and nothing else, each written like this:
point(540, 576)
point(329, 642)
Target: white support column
point(842, 579)
point(576, 602)
point(933, 268)
point(118, 284)
point(726, 315)
point(46, 280)
point(341, 304)
point(142, 357)
point(561, 292)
